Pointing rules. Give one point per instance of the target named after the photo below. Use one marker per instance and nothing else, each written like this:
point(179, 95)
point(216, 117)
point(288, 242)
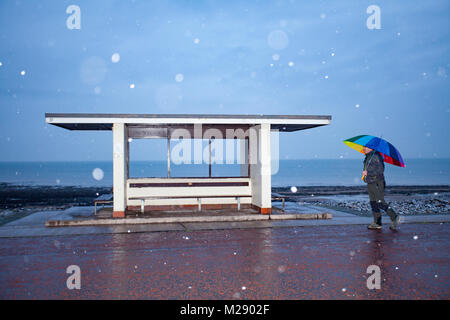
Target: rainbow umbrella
point(389, 153)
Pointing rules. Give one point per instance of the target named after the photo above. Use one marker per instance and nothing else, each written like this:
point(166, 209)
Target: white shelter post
point(120, 169)
point(261, 168)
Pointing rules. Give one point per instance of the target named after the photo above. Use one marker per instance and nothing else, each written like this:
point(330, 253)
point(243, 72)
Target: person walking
point(373, 175)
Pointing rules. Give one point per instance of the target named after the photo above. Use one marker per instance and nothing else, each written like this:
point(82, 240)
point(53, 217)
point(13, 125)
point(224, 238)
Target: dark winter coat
point(374, 165)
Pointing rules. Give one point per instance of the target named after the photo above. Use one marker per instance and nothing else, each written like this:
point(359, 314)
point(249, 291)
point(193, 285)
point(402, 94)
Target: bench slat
point(188, 184)
point(189, 197)
point(142, 199)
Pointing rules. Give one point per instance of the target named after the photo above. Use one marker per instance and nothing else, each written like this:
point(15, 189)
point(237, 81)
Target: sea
point(287, 173)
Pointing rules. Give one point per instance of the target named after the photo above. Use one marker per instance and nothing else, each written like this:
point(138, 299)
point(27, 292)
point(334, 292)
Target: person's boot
point(394, 218)
point(376, 224)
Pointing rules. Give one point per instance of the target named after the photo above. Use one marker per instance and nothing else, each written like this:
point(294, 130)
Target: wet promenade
point(251, 261)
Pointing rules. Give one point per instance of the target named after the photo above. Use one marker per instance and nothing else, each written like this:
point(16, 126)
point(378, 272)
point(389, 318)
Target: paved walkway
point(316, 262)
point(272, 259)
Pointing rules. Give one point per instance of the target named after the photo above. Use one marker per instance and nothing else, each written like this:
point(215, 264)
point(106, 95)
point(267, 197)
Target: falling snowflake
point(276, 57)
point(293, 189)
point(196, 40)
point(244, 288)
point(291, 64)
point(115, 57)
point(22, 72)
point(415, 237)
point(179, 77)
point(132, 86)
point(98, 174)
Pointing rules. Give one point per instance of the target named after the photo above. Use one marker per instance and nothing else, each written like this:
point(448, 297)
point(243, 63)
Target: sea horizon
point(293, 159)
point(291, 172)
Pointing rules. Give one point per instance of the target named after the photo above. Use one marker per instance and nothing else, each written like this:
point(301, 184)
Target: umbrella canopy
point(388, 151)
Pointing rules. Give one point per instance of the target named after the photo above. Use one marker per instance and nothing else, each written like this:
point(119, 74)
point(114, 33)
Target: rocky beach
point(17, 201)
point(405, 200)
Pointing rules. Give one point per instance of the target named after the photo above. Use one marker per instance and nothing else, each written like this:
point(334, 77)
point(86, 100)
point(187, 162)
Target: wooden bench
point(189, 188)
point(238, 198)
point(103, 199)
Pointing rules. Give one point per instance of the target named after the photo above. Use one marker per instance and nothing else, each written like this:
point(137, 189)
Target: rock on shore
point(405, 200)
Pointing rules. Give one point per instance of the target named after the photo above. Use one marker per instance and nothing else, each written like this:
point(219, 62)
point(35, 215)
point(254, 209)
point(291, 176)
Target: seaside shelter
point(252, 188)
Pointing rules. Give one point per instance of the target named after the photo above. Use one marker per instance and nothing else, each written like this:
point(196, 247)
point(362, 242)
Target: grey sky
point(232, 57)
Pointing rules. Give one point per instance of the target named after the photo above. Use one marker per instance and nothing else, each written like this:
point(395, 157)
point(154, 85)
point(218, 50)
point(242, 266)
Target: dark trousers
point(376, 198)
